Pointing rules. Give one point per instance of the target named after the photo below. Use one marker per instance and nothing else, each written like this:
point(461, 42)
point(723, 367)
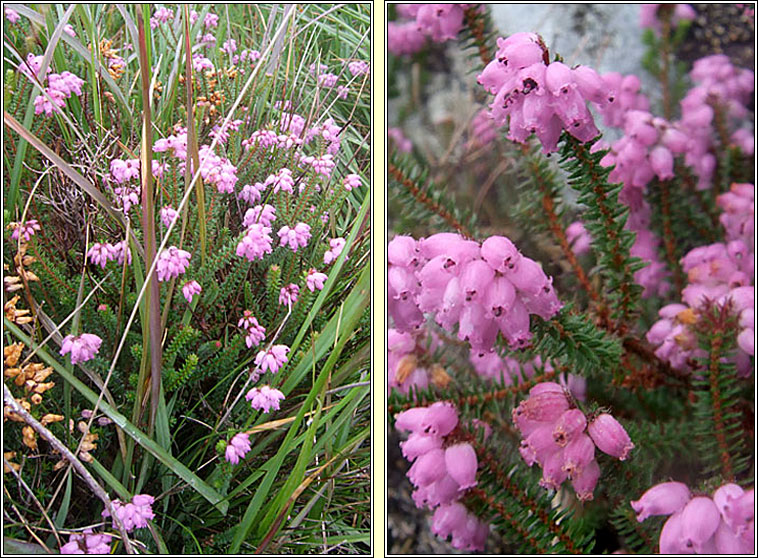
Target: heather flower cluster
point(723, 523)
point(101, 253)
point(443, 469)
point(419, 22)
point(134, 514)
point(237, 447)
point(483, 289)
point(264, 398)
point(24, 230)
point(81, 348)
point(87, 543)
point(718, 273)
point(560, 438)
point(59, 86)
point(533, 96)
point(172, 262)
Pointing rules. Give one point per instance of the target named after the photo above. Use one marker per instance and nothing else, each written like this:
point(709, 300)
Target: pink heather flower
point(315, 280)
point(32, 65)
point(193, 17)
point(335, 249)
point(11, 15)
point(461, 464)
point(256, 242)
point(255, 332)
point(161, 15)
point(327, 80)
point(168, 214)
point(273, 359)
point(323, 165)
point(404, 38)
point(468, 532)
point(723, 524)
point(25, 230)
point(401, 143)
point(123, 171)
point(136, 513)
point(211, 20)
point(264, 398)
point(82, 348)
point(87, 543)
point(121, 250)
point(483, 131)
point(171, 263)
point(48, 106)
point(317, 68)
point(295, 238)
point(584, 482)
point(69, 30)
point(578, 238)
point(237, 447)
point(288, 295)
point(190, 289)
point(229, 47)
point(251, 193)
point(282, 181)
point(263, 214)
point(99, 254)
point(342, 91)
point(610, 437)
point(351, 181)
point(200, 62)
point(662, 499)
point(358, 67)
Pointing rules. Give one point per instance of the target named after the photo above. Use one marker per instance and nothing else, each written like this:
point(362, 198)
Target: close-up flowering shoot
point(571, 279)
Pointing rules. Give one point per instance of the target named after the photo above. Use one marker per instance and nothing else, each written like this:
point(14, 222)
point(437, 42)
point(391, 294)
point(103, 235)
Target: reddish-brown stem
point(476, 26)
point(668, 236)
point(718, 418)
point(580, 152)
point(421, 196)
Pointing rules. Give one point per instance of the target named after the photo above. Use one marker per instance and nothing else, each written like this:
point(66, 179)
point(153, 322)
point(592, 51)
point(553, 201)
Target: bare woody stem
point(71, 458)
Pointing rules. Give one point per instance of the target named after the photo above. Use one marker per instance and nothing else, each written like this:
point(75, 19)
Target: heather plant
point(571, 316)
point(186, 256)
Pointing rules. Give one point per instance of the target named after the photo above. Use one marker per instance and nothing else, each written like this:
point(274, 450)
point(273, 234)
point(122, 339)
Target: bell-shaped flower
point(461, 464)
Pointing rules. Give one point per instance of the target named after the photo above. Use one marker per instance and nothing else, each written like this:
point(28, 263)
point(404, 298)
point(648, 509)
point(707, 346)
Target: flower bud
point(610, 437)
